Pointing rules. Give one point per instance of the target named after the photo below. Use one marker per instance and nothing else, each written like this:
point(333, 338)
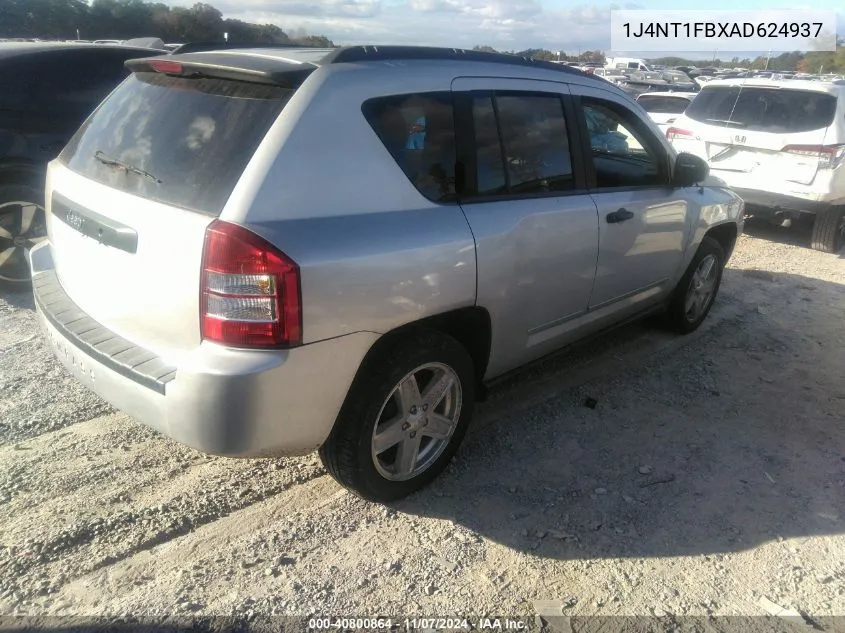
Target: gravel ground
point(708, 480)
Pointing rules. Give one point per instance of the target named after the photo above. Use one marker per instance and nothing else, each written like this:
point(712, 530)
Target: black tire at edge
point(826, 236)
point(346, 454)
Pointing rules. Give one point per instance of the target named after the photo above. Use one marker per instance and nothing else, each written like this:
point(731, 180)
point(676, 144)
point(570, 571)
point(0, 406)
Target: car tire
point(829, 230)
point(700, 284)
point(383, 446)
point(22, 225)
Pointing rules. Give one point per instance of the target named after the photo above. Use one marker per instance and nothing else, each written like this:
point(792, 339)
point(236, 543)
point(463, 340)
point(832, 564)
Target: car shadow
point(798, 234)
point(652, 445)
point(17, 295)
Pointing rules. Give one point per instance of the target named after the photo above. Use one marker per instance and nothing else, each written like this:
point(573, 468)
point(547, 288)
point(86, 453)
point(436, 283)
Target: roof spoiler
point(250, 69)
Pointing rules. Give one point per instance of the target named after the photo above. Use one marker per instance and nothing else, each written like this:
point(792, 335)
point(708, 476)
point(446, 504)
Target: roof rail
point(353, 54)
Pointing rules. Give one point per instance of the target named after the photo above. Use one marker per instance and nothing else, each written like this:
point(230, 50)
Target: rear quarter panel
point(374, 253)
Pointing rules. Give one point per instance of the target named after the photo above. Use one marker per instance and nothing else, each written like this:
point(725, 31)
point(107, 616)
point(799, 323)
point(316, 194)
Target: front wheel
point(22, 226)
point(694, 296)
point(404, 418)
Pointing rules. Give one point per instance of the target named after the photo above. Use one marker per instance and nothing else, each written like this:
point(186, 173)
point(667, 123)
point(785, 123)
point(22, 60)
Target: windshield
point(763, 109)
point(663, 105)
point(179, 141)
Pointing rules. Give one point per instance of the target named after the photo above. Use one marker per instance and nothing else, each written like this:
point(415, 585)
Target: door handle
point(619, 216)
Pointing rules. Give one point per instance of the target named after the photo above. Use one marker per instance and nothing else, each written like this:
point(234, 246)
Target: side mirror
point(689, 170)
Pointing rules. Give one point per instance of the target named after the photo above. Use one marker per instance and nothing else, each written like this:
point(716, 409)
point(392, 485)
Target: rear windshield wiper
point(113, 162)
point(736, 123)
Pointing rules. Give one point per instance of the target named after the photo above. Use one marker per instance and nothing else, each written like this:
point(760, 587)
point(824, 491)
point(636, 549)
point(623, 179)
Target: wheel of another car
point(405, 416)
point(22, 225)
point(829, 230)
point(695, 293)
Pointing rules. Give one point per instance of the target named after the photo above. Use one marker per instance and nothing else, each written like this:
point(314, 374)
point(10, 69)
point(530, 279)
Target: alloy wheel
point(22, 226)
point(702, 288)
point(416, 422)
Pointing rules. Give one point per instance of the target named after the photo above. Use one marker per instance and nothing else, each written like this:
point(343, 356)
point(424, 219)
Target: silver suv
point(262, 253)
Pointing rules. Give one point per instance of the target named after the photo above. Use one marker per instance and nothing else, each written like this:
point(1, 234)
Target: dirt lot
point(708, 480)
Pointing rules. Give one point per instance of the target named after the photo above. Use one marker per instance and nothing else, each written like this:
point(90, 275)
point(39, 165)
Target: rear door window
point(419, 132)
point(760, 109)
point(16, 81)
point(522, 145)
point(192, 138)
point(68, 85)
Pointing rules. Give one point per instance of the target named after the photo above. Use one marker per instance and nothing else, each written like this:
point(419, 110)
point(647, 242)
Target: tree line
point(126, 19)
point(810, 62)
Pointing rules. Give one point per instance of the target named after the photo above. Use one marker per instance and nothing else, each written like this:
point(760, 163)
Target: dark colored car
point(47, 90)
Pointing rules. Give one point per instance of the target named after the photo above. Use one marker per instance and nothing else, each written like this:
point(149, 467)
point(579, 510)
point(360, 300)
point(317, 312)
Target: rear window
point(759, 109)
point(664, 105)
point(183, 142)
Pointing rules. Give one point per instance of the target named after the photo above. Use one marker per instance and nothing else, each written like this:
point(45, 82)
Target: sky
point(559, 25)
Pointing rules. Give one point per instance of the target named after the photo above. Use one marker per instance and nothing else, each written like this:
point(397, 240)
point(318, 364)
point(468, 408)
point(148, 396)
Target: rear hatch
point(663, 109)
point(762, 131)
point(132, 194)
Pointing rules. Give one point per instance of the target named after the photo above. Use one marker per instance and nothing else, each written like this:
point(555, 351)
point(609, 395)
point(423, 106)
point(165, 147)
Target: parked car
point(48, 91)
point(665, 81)
point(664, 107)
point(222, 271)
point(611, 75)
point(627, 64)
point(779, 144)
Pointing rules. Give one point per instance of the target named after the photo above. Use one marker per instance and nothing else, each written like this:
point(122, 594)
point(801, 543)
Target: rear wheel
point(697, 290)
point(22, 226)
point(404, 418)
point(829, 230)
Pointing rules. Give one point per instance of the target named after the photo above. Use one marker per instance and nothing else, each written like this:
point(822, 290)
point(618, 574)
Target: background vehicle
point(48, 91)
point(627, 63)
point(664, 107)
point(611, 75)
point(362, 314)
point(665, 81)
point(779, 144)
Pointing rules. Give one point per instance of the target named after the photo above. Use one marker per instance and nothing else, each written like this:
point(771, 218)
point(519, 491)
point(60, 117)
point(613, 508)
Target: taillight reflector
point(676, 132)
point(166, 66)
point(829, 155)
point(250, 290)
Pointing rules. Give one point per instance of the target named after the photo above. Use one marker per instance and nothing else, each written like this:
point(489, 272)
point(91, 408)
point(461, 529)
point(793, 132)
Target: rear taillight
point(675, 132)
point(829, 156)
point(250, 290)
point(165, 66)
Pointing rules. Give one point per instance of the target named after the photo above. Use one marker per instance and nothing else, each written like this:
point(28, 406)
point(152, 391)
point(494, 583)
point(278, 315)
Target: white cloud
point(507, 24)
point(504, 24)
point(314, 8)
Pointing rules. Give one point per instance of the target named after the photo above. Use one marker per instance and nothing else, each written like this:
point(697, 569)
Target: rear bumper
point(236, 403)
point(769, 202)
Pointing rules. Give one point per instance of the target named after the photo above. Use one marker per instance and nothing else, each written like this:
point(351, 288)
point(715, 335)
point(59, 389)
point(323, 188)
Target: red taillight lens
point(166, 66)
point(675, 132)
point(250, 290)
point(829, 155)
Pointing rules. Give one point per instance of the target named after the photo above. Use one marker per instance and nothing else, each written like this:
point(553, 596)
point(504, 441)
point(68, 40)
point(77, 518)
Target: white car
point(779, 144)
point(664, 107)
